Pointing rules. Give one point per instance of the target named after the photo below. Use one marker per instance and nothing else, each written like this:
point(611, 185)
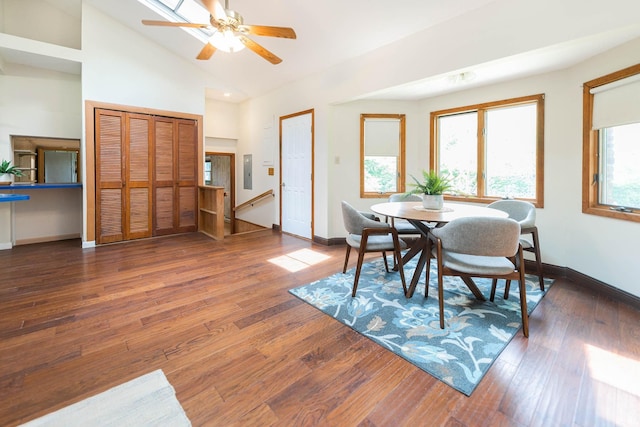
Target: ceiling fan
point(230, 32)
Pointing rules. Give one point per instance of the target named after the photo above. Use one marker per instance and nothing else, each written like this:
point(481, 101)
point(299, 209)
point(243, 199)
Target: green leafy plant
point(432, 183)
point(5, 167)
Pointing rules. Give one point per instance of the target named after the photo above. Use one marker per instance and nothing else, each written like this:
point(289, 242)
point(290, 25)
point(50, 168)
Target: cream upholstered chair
point(402, 225)
point(478, 247)
point(525, 213)
point(368, 235)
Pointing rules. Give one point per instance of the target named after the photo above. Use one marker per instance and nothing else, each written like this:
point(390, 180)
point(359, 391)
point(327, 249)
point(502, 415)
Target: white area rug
point(149, 400)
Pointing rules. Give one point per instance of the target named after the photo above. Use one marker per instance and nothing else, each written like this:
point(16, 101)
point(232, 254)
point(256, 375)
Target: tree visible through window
point(611, 145)
point(492, 150)
point(619, 174)
point(382, 139)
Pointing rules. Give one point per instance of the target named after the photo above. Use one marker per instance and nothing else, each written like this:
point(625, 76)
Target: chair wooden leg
point(427, 269)
point(441, 296)
point(523, 308)
point(358, 268)
point(494, 283)
point(384, 259)
point(536, 251)
point(398, 257)
point(346, 259)
point(523, 298)
point(416, 277)
point(507, 288)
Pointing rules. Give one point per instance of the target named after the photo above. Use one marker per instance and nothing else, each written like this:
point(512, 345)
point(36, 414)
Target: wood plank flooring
point(216, 317)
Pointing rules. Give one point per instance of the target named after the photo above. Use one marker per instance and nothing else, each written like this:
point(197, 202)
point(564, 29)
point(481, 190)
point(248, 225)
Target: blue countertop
point(39, 186)
point(13, 197)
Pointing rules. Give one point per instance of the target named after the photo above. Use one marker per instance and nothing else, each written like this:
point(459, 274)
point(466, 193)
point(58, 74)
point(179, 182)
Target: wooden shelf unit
point(211, 211)
point(25, 162)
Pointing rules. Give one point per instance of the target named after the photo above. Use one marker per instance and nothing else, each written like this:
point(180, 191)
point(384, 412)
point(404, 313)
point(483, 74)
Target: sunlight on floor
point(614, 370)
point(299, 260)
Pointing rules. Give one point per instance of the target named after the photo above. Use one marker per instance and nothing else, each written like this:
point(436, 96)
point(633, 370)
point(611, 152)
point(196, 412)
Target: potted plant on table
point(7, 172)
point(432, 187)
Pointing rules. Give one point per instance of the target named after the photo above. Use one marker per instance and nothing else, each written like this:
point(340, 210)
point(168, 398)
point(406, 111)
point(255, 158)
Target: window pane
point(511, 152)
point(382, 137)
point(193, 12)
point(619, 172)
point(381, 154)
point(171, 4)
point(380, 174)
point(458, 144)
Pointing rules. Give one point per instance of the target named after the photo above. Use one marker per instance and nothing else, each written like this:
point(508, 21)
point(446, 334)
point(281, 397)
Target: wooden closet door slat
point(109, 128)
point(187, 175)
point(138, 220)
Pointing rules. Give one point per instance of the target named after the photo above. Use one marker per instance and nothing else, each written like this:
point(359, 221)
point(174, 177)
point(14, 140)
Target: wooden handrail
point(252, 201)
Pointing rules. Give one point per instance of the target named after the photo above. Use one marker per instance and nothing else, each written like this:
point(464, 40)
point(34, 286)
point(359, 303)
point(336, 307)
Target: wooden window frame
point(590, 150)
point(480, 109)
point(400, 183)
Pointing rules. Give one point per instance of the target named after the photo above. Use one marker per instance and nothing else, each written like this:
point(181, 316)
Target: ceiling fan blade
point(215, 9)
point(259, 49)
point(174, 24)
point(263, 30)
point(207, 51)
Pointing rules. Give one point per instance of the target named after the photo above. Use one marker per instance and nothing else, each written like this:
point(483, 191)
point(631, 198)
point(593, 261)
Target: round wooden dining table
point(425, 219)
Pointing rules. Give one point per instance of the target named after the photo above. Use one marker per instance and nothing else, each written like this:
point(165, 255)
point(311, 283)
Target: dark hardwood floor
point(216, 317)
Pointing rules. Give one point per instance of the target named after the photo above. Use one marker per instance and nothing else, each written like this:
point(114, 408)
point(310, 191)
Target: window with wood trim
point(611, 145)
point(491, 151)
point(382, 152)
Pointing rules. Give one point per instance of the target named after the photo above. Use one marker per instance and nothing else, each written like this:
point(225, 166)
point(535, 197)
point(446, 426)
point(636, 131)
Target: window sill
point(606, 211)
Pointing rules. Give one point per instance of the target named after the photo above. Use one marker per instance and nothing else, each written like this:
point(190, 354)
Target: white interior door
point(297, 174)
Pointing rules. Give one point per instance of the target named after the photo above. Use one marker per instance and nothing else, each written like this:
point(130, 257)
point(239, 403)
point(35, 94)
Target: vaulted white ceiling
point(334, 32)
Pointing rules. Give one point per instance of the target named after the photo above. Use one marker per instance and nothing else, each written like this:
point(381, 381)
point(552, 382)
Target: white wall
point(49, 214)
point(344, 153)
point(122, 67)
point(36, 102)
point(220, 145)
point(602, 248)
point(39, 20)
point(221, 120)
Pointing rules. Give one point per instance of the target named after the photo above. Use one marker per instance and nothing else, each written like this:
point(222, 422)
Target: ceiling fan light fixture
point(226, 41)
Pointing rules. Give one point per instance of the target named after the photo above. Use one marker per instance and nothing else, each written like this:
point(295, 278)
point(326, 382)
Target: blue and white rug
point(475, 331)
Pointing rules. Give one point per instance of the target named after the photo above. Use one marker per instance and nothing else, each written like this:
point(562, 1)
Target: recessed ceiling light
point(461, 78)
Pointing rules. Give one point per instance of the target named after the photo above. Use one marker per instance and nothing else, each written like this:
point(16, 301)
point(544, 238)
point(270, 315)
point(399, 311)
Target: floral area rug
point(475, 331)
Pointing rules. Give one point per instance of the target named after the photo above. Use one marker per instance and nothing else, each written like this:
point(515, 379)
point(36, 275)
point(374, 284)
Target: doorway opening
point(219, 171)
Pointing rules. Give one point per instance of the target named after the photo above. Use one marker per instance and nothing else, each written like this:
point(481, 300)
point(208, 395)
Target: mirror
point(45, 160)
point(57, 165)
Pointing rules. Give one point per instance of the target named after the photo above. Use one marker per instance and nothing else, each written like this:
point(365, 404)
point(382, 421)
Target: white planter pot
point(6, 178)
point(432, 201)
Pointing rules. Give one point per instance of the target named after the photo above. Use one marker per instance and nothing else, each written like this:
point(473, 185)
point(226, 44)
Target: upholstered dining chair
point(525, 213)
point(478, 247)
point(402, 225)
point(369, 235)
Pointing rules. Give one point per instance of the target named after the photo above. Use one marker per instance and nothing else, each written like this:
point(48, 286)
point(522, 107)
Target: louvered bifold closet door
point(123, 176)
point(138, 190)
point(187, 182)
point(175, 176)
point(164, 177)
point(109, 129)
